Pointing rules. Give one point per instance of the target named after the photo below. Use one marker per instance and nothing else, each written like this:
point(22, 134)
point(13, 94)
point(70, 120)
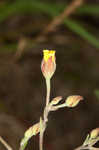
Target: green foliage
point(36, 6)
point(97, 93)
point(80, 30)
point(89, 10)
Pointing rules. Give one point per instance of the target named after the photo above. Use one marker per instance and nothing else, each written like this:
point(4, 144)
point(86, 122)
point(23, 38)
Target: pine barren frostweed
point(48, 65)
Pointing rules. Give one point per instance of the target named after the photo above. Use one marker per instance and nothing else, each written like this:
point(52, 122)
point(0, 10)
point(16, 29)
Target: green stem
point(46, 111)
point(61, 106)
point(48, 91)
point(41, 141)
point(87, 147)
point(54, 108)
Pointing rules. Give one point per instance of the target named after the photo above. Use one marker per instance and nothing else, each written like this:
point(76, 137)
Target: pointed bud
point(56, 100)
point(72, 101)
point(28, 134)
point(48, 65)
point(35, 129)
point(94, 133)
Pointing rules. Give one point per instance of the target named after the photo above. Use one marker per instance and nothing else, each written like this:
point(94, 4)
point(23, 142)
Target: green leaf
point(36, 6)
point(17, 7)
point(89, 10)
point(80, 30)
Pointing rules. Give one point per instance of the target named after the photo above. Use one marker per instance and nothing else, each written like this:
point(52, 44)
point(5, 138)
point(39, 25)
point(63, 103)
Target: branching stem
point(45, 115)
point(88, 147)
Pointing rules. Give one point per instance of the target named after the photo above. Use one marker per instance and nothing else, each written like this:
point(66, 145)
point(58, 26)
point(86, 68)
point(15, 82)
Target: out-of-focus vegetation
point(21, 90)
point(97, 93)
point(20, 7)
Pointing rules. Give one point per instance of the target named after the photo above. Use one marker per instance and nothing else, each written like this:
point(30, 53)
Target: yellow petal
point(48, 53)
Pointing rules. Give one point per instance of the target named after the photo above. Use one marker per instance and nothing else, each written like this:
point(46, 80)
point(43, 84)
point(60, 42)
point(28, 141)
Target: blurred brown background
point(22, 86)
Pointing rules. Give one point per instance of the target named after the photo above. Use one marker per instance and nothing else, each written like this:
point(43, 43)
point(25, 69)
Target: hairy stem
point(45, 115)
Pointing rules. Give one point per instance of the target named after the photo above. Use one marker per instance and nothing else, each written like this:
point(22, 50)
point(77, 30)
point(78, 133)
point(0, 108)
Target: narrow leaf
point(80, 30)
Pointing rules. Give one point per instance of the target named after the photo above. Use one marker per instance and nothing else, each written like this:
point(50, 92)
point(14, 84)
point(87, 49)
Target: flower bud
point(72, 101)
point(28, 134)
point(56, 100)
point(35, 129)
point(94, 133)
point(48, 65)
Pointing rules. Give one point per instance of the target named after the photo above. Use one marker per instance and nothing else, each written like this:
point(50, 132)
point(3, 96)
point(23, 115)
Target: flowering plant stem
point(45, 115)
point(48, 91)
point(87, 147)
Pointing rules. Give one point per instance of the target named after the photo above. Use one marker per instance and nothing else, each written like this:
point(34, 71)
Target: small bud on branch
point(72, 101)
point(56, 100)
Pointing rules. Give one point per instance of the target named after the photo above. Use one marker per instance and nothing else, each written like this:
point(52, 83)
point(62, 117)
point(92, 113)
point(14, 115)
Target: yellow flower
point(47, 54)
point(48, 65)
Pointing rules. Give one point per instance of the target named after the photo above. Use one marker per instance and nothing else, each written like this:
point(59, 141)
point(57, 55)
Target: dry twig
point(59, 19)
point(20, 48)
point(7, 146)
point(50, 28)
